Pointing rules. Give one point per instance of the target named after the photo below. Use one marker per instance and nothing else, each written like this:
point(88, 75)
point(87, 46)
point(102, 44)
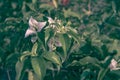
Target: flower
point(57, 42)
point(51, 23)
point(34, 27)
point(113, 65)
point(50, 20)
point(56, 24)
point(53, 43)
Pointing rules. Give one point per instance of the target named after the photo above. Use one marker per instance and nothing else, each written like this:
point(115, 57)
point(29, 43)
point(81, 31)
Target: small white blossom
point(113, 65)
point(34, 27)
point(50, 20)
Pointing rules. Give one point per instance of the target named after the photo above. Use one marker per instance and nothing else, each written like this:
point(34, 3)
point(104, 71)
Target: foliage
point(59, 40)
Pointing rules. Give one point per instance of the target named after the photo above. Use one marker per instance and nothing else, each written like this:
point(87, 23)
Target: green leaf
point(114, 7)
point(31, 6)
point(115, 45)
point(65, 41)
point(53, 57)
point(46, 6)
point(102, 73)
point(85, 74)
point(90, 60)
point(48, 34)
point(115, 73)
point(69, 13)
point(105, 68)
point(106, 61)
point(24, 54)
point(38, 65)
point(34, 1)
point(62, 40)
point(19, 67)
point(85, 61)
point(12, 20)
point(73, 33)
point(94, 62)
point(34, 49)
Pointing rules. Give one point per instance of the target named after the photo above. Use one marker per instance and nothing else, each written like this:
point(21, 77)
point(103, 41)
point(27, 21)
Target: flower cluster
point(54, 41)
point(34, 27)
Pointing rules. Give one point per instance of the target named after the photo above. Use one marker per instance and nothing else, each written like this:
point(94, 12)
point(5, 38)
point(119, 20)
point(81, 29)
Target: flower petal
point(29, 32)
point(50, 20)
point(32, 22)
point(41, 25)
point(58, 44)
point(113, 64)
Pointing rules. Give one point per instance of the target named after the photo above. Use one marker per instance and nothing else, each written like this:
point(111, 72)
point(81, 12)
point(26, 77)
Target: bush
point(59, 40)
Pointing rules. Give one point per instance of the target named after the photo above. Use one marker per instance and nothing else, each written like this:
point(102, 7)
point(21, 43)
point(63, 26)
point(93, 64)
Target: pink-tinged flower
point(29, 32)
point(57, 42)
point(53, 43)
point(34, 27)
point(113, 65)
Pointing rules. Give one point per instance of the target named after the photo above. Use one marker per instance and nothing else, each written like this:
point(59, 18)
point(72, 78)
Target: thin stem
point(8, 75)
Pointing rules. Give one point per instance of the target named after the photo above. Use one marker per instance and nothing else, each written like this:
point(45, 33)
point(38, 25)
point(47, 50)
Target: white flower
point(50, 20)
point(34, 27)
point(56, 23)
point(113, 65)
